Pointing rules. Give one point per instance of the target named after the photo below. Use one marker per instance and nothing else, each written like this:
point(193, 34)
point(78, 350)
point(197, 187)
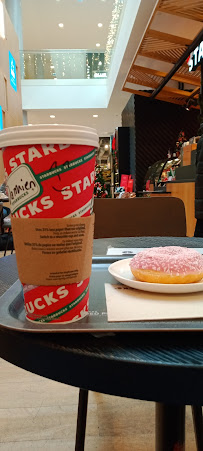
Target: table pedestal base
point(170, 427)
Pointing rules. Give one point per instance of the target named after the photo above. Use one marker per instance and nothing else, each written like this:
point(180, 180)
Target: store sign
point(1, 118)
point(12, 71)
point(100, 75)
point(195, 57)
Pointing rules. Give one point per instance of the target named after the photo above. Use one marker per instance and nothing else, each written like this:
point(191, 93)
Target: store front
point(165, 80)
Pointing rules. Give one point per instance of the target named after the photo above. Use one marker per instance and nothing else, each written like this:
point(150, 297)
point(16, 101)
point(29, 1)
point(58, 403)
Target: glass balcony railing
point(62, 64)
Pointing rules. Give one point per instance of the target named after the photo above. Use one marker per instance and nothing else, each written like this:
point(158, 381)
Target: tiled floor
point(39, 414)
point(8, 253)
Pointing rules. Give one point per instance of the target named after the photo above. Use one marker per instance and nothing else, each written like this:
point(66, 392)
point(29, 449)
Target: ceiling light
point(100, 63)
point(52, 116)
point(61, 25)
point(97, 45)
point(106, 146)
point(52, 66)
point(95, 115)
point(100, 24)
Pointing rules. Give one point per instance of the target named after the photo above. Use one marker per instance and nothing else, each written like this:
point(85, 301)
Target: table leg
point(198, 426)
point(170, 427)
point(81, 420)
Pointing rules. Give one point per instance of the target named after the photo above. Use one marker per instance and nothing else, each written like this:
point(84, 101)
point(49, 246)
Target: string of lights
point(113, 27)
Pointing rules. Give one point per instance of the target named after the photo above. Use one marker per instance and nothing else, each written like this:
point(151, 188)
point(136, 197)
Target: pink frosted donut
point(169, 264)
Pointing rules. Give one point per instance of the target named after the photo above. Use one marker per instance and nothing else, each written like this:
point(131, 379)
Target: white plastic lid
point(49, 134)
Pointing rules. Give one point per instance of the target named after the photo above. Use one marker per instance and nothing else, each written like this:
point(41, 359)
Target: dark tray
point(12, 313)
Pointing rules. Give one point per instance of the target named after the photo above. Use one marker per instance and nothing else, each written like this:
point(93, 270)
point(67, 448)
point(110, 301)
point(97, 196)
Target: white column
point(15, 12)
point(25, 121)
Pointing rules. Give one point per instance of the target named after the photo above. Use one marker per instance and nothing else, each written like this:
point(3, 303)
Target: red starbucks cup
point(54, 180)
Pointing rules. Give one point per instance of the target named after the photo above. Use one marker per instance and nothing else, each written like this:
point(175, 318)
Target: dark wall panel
point(122, 145)
point(128, 120)
point(158, 124)
point(156, 128)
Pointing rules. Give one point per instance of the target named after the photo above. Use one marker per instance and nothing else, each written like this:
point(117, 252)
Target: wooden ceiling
point(158, 47)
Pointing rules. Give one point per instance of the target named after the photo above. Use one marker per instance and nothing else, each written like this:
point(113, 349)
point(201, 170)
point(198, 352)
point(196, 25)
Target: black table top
point(164, 367)
point(101, 245)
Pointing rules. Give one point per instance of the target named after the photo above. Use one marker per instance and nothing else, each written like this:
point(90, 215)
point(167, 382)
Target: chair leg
point(6, 244)
point(198, 426)
point(81, 420)
point(12, 244)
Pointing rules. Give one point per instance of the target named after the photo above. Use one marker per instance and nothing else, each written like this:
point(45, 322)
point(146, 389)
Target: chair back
point(153, 216)
point(1, 219)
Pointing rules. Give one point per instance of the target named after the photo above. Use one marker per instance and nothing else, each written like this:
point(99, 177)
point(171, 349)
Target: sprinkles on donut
point(168, 264)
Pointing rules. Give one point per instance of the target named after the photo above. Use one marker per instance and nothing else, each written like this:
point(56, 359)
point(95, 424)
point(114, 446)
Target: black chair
point(6, 237)
point(153, 216)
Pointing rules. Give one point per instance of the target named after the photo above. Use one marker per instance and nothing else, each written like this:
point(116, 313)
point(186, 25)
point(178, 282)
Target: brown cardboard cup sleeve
point(53, 251)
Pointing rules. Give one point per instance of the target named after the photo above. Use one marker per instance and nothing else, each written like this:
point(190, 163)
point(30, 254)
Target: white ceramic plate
point(120, 270)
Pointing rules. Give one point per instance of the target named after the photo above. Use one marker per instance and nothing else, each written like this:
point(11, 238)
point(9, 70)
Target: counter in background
point(154, 193)
point(184, 185)
point(185, 190)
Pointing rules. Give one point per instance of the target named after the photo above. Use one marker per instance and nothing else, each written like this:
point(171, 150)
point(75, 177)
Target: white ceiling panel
point(80, 18)
point(105, 123)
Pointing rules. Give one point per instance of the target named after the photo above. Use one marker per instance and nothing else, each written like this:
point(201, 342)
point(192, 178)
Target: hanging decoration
point(113, 27)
